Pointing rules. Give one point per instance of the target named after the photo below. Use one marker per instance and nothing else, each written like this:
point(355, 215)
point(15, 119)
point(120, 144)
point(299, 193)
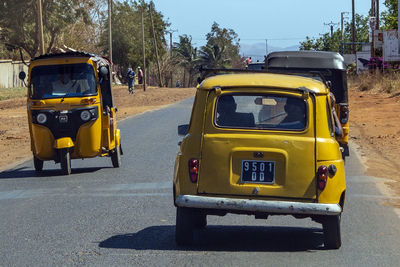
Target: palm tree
point(188, 57)
point(213, 56)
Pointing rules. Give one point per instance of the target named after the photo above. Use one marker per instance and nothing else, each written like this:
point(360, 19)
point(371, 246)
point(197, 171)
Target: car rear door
point(256, 158)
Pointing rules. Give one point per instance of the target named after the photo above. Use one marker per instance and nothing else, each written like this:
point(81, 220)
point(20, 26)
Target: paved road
point(117, 217)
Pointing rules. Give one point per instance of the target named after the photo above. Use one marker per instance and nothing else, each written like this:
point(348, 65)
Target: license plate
point(258, 171)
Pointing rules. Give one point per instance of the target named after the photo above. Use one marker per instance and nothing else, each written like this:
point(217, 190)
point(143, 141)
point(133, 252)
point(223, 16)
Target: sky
point(283, 22)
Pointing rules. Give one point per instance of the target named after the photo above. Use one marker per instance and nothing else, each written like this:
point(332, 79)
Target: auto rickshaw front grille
point(64, 123)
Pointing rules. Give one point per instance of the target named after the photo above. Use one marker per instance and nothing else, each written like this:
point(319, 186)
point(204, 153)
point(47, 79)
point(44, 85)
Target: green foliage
point(8, 93)
point(389, 17)
point(187, 56)
point(332, 43)
point(127, 33)
point(224, 41)
point(214, 56)
point(18, 21)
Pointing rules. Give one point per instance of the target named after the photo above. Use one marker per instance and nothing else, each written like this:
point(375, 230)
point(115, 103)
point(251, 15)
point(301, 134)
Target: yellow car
point(259, 144)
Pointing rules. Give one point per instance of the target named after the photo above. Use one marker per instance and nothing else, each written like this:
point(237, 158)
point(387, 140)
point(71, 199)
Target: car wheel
point(200, 220)
point(38, 163)
point(116, 157)
point(184, 226)
point(65, 160)
point(332, 236)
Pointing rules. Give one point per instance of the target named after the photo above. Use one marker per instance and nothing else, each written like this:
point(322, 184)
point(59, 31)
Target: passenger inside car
point(227, 115)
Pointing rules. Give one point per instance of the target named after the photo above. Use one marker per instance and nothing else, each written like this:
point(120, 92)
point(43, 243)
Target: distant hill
point(257, 50)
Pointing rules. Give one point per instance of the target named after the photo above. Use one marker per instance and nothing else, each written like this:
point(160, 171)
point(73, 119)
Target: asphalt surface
point(117, 217)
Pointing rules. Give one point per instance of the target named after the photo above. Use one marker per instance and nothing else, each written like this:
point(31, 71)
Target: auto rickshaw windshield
point(69, 80)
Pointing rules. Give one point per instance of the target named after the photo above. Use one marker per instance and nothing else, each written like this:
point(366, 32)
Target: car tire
point(200, 220)
point(332, 236)
point(184, 226)
point(38, 163)
point(116, 157)
point(65, 160)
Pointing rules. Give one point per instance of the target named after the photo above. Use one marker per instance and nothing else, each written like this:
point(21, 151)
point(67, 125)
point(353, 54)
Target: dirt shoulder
point(14, 133)
point(375, 127)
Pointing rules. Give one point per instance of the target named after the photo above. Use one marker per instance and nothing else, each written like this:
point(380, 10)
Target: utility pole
point(331, 24)
point(342, 17)
point(377, 14)
point(155, 44)
point(143, 51)
point(171, 73)
point(110, 37)
point(372, 26)
point(40, 26)
point(266, 47)
point(170, 40)
point(353, 28)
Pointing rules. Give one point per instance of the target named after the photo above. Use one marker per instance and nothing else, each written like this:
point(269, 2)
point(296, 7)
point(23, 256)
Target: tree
point(332, 43)
point(19, 27)
point(213, 56)
point(222, 48)
point(127, 36)
point(389, 16)
point(188, 57)
point(82, 35)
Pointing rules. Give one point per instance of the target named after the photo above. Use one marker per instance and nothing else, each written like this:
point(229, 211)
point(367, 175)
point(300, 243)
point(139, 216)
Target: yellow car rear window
point(261, 112)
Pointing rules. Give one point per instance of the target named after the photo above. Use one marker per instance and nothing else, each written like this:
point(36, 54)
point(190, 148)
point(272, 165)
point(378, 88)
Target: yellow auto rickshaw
point(71, 111)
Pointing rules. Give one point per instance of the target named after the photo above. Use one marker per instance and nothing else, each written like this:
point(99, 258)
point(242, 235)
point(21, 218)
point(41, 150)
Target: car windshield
point(276, 112)
point(69, 80)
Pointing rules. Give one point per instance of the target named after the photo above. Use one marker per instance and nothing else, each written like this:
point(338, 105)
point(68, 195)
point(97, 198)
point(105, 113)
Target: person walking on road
point(140, 75)
point(130, 76)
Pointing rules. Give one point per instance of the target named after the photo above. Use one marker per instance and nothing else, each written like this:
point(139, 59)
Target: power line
point(331, 24)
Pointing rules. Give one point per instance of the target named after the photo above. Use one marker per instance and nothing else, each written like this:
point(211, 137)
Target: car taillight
point(322, 177)
point(193, 170)
point(344, 113)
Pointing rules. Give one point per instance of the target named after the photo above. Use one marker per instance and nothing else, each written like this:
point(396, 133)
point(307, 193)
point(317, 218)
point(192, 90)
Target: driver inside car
point(295, 114)
point(64, 84)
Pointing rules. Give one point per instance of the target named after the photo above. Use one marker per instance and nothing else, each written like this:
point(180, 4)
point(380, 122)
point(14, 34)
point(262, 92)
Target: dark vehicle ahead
point(331, 66)
point(256, 66)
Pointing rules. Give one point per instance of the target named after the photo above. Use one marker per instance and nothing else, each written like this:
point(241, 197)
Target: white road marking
point(119, 190)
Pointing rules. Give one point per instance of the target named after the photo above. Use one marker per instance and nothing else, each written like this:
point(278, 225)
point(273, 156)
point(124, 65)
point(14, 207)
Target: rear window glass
point(261, 112)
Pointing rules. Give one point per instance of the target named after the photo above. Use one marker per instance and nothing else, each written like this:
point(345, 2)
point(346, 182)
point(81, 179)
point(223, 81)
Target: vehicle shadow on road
point(223, 238)
point(26, 172)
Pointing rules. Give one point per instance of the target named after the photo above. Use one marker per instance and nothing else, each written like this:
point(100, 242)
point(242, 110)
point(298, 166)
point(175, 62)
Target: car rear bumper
point(267, 206)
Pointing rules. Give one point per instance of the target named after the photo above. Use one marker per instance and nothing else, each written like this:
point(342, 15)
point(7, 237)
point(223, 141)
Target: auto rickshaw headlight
point(85, 115)
point(41, 118)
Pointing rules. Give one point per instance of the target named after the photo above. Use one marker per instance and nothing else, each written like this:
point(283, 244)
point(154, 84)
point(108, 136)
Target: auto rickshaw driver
point(64, 84)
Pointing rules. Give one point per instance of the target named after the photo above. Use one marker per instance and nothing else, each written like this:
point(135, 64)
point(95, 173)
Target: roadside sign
point(391, 46)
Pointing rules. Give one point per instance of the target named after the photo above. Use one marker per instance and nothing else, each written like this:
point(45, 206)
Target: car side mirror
point(183, 129)
point(22, 75)
point(328, 84)
point(103, 71)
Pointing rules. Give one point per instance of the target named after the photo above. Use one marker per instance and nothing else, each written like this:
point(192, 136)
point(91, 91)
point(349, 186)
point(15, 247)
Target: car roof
point(263, 80)
point(306, 59)
point(73, 54)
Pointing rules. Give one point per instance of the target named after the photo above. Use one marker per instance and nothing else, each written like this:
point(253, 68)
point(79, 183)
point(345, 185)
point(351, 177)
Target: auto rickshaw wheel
point(38, 163)
point(116, 157)
point(65, 160)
